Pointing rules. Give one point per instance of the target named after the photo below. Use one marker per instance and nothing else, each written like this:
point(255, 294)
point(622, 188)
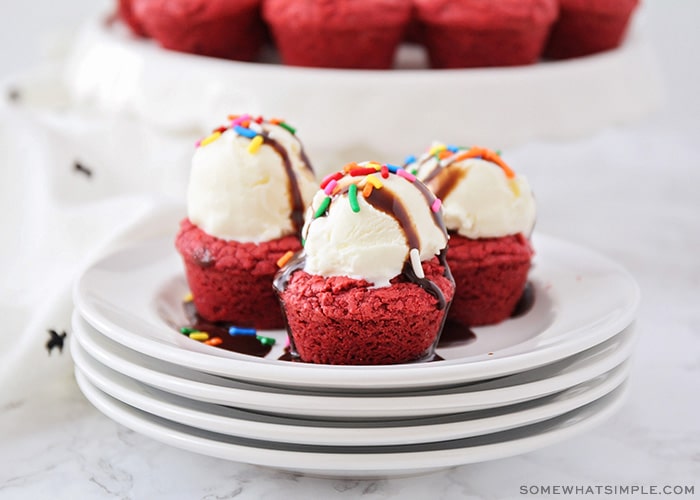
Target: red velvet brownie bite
point(230, 29)
point(356, 34)
point(489, 212)
point(587, 27)
point(249, 186)
point(372, 285)
point(481, 33)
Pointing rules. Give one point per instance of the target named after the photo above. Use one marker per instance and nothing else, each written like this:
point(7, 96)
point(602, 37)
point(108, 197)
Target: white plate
point(118, 73)
point(582, 299)
point(474, 396)
point(255, 425)
point(356, 461)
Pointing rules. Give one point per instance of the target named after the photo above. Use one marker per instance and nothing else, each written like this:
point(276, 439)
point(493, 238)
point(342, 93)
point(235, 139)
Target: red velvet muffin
point(218, 28)
point(359, 34)
point(489, 212)
point(586, 27)
point(372, 285)
point(481, 33)
point(249, 185)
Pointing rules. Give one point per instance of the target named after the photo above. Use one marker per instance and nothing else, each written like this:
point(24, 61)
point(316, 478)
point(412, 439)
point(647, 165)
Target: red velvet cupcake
point(372, 285)
point(586, 27)
point(358, 34)
point(481, 33)
point(489, 212)
point(249, 185)
point(218, 28)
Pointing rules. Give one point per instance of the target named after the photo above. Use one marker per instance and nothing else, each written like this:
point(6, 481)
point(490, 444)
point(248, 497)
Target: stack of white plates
point(523, 384)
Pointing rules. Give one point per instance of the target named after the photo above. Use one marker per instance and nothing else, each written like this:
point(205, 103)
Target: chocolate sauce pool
point(244, 344)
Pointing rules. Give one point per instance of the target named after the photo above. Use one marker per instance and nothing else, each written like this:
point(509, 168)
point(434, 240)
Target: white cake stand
point(345, 115)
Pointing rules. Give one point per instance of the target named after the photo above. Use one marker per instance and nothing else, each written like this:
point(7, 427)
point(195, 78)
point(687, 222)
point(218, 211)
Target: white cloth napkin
point(74, 186)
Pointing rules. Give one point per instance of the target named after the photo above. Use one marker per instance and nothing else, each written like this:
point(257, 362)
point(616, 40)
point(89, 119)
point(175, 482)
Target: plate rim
point(333, 376)
point(136, 394)
point(377, 406)
point(350, 465)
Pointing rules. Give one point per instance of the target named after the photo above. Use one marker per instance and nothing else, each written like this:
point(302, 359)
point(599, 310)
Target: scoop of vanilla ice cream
point(482, 202)
point(370, 244)
point(236, 194)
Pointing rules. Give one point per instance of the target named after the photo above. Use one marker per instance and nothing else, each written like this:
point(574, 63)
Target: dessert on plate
point(372, 285)
point(218, 28)
point(480, 33)
point(249, 185)
point(587, 27)
point(360, 34)
point(489, 212)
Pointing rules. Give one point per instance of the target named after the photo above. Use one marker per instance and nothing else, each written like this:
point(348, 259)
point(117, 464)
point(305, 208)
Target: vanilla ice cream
point(372, 232)
point(481, 196)
point(250, 182)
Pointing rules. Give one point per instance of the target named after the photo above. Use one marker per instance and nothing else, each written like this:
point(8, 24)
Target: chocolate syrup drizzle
point(297, 202)
point(450, 177)
point(386, 200)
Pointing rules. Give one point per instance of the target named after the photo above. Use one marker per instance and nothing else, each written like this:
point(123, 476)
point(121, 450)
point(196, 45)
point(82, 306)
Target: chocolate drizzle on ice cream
point(296, 201)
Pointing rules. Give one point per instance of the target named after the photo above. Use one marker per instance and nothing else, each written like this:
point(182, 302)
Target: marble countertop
point(631, 193)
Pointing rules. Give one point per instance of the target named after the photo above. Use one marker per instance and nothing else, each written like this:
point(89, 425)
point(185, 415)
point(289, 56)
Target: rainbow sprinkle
point(331, 177)
point(237, 330)
point(374, 181)
point(210, 139)
point(406, 175)
point(282, 261)
point(352, 197)
point(265, 340)
point(361, 172)
point(414, 256)
point(201, 336)
point(245, 132)
point(323, 207)
point(255, 144)
point(330, 187)
point(288, 127)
